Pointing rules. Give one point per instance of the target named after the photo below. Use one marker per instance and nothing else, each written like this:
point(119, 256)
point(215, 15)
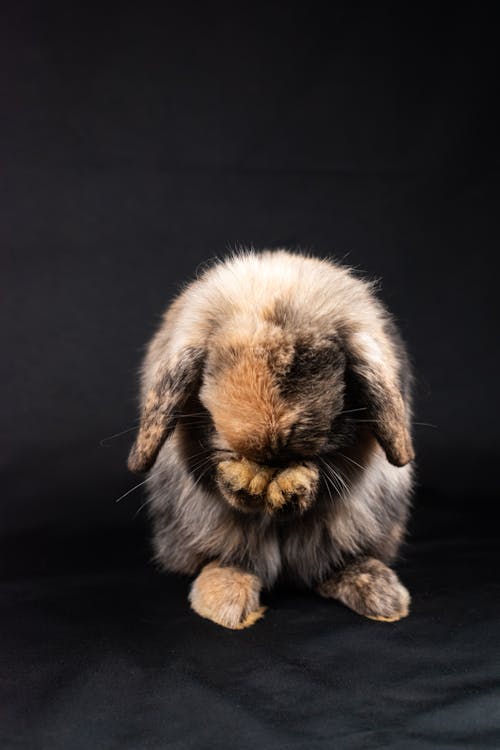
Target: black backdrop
point(136, 144)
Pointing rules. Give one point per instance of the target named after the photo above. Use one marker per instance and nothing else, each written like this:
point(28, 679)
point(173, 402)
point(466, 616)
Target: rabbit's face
point(276, 400)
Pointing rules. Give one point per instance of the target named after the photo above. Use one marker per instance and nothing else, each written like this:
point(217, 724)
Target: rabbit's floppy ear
point(374, 364)
point(171, 386)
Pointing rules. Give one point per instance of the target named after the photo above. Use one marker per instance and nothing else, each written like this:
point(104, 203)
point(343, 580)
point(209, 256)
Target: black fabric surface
point(137, 142)
point(114, 658)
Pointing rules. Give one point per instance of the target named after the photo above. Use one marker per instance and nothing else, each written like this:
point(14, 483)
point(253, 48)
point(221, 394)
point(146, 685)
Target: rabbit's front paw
point(244, 483)
point(250, 486)
point(297, 484)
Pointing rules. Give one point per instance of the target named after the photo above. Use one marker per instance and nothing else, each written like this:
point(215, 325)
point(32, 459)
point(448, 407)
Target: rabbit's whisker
point(201, 453)
point(351, 460)
point(180, 415)
point(202, 463)
point(378, 421)
point(338, 476)
point(350, 411)
point(199, 421)
point(153, 474)
point(329, 477)
point(326, 484)
point(342, 479)
point(104, 440)
point(332, 482)
point(148, 500)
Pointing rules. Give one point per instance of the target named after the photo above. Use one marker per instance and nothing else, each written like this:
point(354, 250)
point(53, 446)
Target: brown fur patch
point(247, 408)
point(370, 588)
point(227, 596)
point(241, 389)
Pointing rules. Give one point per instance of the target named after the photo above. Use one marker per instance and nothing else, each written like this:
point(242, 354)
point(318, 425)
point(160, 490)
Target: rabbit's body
point(193, 524)
point(283, 389)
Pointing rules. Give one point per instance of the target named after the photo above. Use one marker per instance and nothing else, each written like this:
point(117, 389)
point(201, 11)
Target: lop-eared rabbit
point(275, 430)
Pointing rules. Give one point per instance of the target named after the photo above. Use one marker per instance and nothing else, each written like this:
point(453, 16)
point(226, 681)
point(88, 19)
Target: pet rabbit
point(275, 429)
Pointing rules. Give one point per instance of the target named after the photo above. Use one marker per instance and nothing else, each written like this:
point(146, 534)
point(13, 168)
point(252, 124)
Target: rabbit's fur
point(276, 429)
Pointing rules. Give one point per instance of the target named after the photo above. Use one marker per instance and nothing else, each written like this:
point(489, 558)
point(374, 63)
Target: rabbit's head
point(272, 393)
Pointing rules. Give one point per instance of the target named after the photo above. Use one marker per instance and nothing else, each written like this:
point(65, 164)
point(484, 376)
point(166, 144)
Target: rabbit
point(276, 433)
